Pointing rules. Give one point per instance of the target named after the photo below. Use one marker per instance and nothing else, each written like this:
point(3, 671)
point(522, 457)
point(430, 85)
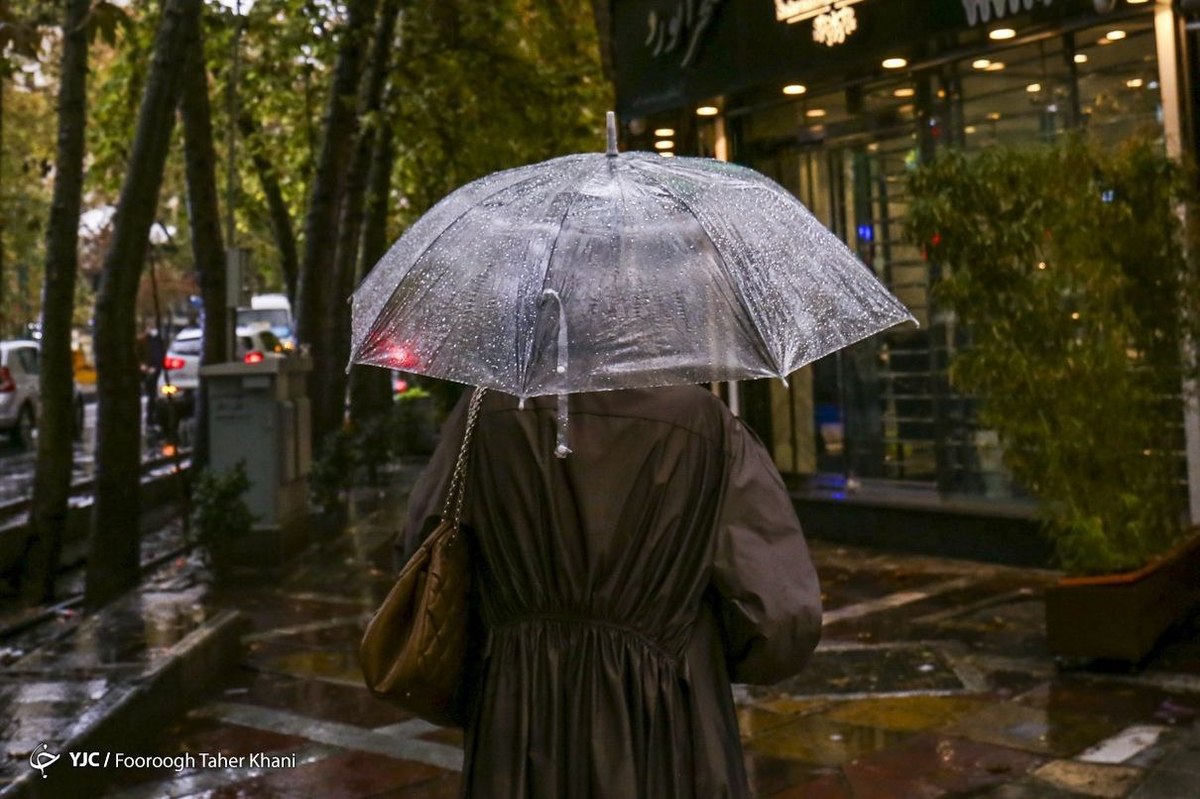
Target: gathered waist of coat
point(522, 623)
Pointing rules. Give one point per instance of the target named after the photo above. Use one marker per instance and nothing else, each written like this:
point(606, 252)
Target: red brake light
point(7, 385)
point(253, 356)
point(171, 363)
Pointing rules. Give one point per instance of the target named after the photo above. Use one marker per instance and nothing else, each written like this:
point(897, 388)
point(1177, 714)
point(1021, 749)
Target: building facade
point(838, 101)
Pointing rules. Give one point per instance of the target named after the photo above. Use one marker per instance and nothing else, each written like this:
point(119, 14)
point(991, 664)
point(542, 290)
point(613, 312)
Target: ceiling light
point(995, 66)
point(1137, 2)
point(1080, 58)
point(905, 92)
point(707, 111)
point(1002, 33)
point(664, 144)
point(981, 63)
point(1152, 84)
point(1115, 36)
point(795, 88)
point(969, 129)
point(815, 112)
point(1134, 83)
point(664, 132)
point(1033, 88)
point(895, 63)
point(995, 115)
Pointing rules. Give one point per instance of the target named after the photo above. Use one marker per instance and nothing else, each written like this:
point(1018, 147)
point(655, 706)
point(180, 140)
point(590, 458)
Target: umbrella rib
point(545, 279)
point(766, 350)
point(424, 250)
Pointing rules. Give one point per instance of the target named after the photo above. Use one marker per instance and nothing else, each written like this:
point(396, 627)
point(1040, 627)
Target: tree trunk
point(318, 277)
point(281, 218)
point(114, 548)
point(52, 476)
point(370, 386)
point(204, 217)
point(350, 224)
point(3, 215)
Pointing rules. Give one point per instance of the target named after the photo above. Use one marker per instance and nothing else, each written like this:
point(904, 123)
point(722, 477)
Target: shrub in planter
point(1065, 263)
point(219, 513)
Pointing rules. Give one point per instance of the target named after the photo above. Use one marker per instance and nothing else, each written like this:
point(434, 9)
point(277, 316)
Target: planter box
point(1122, 616)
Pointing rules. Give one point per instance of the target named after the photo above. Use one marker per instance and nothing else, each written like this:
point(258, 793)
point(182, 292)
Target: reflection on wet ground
point(17, 464)
point(932, 681)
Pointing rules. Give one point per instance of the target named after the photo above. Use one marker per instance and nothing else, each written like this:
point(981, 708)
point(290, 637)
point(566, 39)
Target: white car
point(20, 394)
point(180, 375)
point(20, 391)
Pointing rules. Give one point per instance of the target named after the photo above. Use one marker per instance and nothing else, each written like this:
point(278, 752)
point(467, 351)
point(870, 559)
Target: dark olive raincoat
point(622, 588)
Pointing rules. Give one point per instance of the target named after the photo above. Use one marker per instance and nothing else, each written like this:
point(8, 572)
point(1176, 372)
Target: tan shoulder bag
point(414, 650)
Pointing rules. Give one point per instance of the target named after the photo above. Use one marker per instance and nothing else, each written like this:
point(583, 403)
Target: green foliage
point(488, 86)
point(219, 511)
point(358, 454)
point(1065, 263)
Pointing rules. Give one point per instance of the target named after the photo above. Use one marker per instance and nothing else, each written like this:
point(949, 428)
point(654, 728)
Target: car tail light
point(253, 356)
point(171, 363)
point(7, 385)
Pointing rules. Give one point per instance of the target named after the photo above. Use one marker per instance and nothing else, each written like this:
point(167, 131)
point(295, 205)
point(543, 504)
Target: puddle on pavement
point(136, 632)
point(341, 666)
point(891, 669)
point(819, 741)
point(904, 714)
point(932, 765)
point(1031, 729)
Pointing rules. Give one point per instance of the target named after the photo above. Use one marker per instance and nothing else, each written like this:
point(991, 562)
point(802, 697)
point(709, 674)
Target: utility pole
point(233, 263)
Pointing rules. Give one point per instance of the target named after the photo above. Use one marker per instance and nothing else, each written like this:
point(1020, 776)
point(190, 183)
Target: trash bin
point(258, 414)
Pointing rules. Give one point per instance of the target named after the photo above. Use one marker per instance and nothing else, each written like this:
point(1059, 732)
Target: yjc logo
point(42, 759)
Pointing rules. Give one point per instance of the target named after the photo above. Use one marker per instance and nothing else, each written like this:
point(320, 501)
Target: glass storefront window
point(883, 410)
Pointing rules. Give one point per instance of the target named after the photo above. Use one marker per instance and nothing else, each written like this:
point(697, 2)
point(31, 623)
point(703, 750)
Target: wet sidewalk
point(932, 681)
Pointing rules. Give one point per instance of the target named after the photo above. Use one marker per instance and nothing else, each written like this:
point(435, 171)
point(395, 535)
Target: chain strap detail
point(458, 482)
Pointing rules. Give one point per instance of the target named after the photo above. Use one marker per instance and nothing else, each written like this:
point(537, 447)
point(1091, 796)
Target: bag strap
point(458, 482)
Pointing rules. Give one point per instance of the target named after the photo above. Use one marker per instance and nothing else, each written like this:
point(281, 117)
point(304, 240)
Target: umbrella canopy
point(605, 271)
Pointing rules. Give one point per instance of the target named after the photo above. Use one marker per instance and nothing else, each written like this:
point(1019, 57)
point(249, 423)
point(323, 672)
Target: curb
point(138, 707)
point(157, 489)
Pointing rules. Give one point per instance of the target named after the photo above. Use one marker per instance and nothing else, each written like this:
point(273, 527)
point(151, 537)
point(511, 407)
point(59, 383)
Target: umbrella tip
point(610, 121)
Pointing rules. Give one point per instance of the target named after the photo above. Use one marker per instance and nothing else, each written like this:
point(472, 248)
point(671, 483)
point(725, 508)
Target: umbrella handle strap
point(561, 449)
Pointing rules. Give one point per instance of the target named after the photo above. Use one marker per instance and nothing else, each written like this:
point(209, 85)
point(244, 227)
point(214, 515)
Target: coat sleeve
point(768, 597)
point(428, 496)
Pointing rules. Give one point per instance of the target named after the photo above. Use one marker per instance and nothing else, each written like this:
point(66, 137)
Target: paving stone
point(1027, 788)
point(1124, 746)
point(1166, 784)
point(1090, 779)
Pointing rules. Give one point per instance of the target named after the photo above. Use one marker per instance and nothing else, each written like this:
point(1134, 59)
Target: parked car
point(273, 310)
point(180, 375)
point(20, 392)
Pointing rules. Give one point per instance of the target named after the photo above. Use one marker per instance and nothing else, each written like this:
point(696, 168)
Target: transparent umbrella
point(605, 271)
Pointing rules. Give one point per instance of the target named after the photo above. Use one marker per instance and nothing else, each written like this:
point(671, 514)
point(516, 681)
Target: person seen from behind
point(621, 590)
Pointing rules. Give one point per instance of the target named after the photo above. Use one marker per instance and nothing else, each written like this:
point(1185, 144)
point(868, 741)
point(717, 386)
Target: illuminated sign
point(832, 21)
point(983, 10)
point(681, 28)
